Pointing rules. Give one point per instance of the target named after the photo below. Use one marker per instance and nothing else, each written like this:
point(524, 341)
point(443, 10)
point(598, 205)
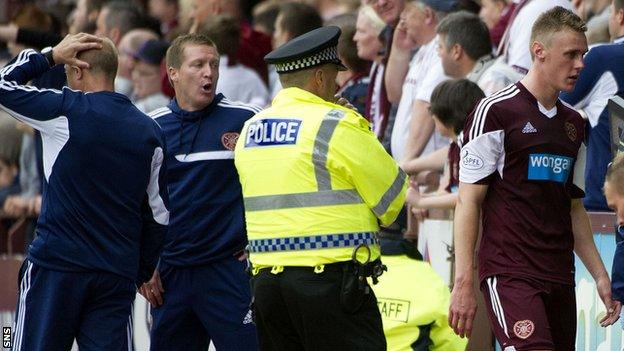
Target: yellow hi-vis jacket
point(315, 182)
point(414, 302)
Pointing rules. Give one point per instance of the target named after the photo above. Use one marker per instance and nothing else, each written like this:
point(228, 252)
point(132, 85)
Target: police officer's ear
point(319, 76)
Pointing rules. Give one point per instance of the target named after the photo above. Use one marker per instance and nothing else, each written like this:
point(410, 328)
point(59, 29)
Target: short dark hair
point(453, 100)
point(224, 31)
point(299, 18)
point(124, 15)
point(618, 4)
point(267, 16)
point(467, 30)
point(176, 50)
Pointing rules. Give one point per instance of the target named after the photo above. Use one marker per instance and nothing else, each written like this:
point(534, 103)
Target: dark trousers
point(55, 307)
point(202, 304)
point(298, 309)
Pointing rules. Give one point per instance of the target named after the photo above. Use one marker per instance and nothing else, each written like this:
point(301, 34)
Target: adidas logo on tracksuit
point(248, 318)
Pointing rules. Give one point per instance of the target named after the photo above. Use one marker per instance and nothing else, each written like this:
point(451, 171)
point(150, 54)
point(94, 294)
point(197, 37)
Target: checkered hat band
point(329, 54)
point(313, 242)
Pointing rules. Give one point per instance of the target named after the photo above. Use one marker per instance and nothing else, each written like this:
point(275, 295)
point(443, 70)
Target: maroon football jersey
point(526, 154)
point(453, 165)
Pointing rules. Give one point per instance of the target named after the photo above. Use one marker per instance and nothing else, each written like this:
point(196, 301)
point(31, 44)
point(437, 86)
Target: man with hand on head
point(104, 214)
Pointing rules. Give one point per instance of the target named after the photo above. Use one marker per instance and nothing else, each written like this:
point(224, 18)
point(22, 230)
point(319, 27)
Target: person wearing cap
point(200, 291)
point(146, 76)
point(316, 184)
point(415, 315)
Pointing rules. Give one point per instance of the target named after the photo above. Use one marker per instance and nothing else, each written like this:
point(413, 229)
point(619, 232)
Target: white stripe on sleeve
point(205, 156)
point(160, 212)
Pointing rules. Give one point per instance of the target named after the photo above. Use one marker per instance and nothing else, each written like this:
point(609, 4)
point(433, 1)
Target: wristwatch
point(47, 52)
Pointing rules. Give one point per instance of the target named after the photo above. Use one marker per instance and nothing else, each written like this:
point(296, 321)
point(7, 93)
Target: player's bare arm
point(463, 301)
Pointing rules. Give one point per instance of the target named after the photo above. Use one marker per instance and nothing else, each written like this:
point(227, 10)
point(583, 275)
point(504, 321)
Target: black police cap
point(311, 49)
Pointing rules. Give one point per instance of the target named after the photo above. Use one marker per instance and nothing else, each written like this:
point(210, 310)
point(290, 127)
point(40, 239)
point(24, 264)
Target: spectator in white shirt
point(515, 42)
point(412, 133)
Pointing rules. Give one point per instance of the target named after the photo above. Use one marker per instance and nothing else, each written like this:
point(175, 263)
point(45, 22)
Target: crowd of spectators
point(396, 52)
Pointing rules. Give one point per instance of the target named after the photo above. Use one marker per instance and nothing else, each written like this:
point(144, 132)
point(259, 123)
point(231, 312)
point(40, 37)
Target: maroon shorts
point(530, 314)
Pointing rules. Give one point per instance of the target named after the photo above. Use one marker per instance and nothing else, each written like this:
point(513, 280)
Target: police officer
point(316, 183)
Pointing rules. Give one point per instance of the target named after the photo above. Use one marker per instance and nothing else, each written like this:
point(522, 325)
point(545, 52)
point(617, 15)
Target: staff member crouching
point(413, 301)
point(316, 183)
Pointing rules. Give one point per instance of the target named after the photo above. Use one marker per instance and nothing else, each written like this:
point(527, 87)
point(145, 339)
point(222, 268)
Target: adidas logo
point(248, 318)
point(528, 128)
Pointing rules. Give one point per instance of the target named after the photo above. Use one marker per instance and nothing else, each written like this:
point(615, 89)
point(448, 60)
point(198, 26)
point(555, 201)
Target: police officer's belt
point(313, 242)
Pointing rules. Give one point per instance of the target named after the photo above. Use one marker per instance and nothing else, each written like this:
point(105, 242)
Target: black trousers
point(298, 309)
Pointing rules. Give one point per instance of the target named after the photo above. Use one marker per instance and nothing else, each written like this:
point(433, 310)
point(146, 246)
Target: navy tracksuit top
point(104, 195)
point(207, 213)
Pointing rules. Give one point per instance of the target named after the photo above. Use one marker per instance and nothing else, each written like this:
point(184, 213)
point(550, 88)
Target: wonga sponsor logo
point(549, 167)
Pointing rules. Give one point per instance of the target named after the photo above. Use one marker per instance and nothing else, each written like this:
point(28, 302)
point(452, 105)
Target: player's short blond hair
point(615, 174)
point(555, 20)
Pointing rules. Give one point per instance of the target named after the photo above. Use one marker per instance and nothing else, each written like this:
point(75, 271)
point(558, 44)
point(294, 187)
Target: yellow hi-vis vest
point(414, 302)
point(315, 182)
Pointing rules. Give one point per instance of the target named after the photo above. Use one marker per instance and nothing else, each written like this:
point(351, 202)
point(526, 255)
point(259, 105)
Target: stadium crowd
point(415, 70)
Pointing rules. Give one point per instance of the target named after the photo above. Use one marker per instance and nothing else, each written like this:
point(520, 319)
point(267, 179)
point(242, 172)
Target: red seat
point(16, 237)
point(9, 270)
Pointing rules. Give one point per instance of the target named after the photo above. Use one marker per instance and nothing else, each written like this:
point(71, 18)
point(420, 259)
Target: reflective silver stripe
point(313, 242)
point(390, 194)
point(317, 198)
point(325, 196)
point(321, 148)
